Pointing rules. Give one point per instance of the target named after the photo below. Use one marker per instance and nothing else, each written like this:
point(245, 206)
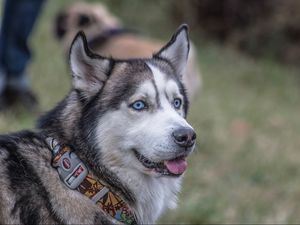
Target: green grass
point(246, 165)
point(245, 169)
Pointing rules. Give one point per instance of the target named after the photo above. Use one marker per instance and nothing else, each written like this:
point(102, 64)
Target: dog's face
point(138, 107)
point(91, 18)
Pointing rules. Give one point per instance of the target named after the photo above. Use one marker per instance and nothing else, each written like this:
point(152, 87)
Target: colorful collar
point(76, 176)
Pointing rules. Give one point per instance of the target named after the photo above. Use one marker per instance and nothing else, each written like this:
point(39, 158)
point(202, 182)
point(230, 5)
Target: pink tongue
point(176, 166)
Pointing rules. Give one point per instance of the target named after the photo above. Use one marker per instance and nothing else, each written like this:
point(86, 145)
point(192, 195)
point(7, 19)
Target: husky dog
point(122, 127)
point(108, 37)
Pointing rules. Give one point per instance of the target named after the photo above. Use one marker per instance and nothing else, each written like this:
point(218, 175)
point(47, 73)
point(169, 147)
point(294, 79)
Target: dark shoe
point(2, 88)
point(24, 98)
point(3, 102)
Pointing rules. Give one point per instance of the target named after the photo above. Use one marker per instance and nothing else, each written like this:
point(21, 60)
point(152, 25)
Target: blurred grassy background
point(246, 166)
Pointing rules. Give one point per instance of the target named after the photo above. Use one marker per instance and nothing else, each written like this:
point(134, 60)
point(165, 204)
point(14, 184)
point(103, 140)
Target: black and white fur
point(120, 145)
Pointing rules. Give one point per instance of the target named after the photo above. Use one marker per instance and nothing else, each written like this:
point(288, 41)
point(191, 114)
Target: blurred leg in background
point(18, 19)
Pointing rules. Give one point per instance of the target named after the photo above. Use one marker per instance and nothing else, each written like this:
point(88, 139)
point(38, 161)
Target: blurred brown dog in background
point(109, 38)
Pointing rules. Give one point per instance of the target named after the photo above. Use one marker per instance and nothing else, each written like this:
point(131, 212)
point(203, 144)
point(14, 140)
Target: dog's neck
point(148, 196)
point(153, 195)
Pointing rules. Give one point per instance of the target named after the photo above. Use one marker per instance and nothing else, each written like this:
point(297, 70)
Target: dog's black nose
point(184, 137)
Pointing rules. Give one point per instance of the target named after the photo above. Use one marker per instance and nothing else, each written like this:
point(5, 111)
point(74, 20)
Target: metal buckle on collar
point(71, 169)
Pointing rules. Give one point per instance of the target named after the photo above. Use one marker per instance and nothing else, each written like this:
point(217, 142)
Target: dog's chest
point(153, 195)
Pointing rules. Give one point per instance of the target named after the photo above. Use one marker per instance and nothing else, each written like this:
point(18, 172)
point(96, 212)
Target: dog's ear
point(176, 51)
point(89, 71)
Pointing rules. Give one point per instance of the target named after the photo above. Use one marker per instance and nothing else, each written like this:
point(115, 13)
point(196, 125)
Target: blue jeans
point(18, 20)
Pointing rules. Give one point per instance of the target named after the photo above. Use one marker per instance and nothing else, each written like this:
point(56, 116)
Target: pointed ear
point(176, 51)
point(89, 71)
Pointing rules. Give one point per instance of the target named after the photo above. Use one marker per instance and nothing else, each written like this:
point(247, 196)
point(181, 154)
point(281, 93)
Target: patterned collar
point(76, 176)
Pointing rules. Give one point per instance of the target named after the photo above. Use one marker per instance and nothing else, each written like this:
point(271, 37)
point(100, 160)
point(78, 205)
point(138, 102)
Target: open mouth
point(172, 167)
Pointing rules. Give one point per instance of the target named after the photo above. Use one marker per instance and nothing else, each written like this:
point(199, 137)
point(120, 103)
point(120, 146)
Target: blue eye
point(177, 103)
point(139, 105)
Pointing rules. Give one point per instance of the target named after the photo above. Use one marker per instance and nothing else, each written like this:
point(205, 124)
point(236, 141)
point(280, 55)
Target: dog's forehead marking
point(172, 89)
point(147, 89)
point(123, 82)
point(158, 102)
point(165, 88)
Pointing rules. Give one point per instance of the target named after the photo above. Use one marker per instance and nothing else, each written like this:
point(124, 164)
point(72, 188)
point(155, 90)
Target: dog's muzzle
point(185, 139)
